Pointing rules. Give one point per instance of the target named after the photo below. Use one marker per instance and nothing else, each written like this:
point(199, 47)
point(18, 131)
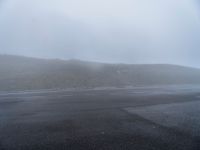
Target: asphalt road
point(155, 118)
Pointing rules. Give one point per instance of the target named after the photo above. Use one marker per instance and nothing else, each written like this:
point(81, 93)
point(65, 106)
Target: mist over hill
point(24, 73)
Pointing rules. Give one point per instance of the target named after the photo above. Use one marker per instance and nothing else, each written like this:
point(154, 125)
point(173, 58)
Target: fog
point(116, 31)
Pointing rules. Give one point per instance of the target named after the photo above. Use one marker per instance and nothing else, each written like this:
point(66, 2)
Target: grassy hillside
point(23, 73)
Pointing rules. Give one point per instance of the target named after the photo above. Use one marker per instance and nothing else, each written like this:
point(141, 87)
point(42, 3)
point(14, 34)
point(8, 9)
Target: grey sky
point(128, 31)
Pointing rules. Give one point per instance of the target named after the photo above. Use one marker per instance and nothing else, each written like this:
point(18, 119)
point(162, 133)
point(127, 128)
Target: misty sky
point(128, 31)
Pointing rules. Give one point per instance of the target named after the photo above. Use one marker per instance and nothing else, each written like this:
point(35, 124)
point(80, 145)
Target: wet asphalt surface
point(109, 119)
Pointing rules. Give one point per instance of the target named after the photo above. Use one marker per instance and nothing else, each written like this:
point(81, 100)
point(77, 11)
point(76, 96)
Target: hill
point(24, 73)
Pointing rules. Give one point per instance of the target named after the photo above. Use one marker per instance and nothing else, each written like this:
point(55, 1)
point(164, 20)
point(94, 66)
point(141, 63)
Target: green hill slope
point(24, 73)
